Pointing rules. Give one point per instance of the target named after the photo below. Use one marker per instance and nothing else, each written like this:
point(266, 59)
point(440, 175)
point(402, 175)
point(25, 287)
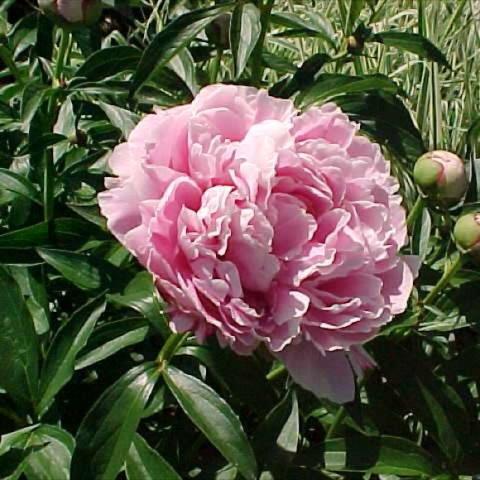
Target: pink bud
point(73, 11)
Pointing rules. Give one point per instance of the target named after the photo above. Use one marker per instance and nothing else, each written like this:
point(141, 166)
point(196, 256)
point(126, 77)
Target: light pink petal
point(325, 375)
point(398, 283)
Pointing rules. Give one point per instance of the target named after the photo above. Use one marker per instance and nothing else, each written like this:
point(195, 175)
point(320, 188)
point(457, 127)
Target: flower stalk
point(170, 347)
point(450, 270)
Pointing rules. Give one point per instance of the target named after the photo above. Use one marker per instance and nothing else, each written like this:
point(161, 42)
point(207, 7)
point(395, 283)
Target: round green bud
point(467, 233)
point(441, 176)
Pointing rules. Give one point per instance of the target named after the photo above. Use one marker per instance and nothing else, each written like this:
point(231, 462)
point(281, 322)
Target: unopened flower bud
point(355, 45)
point(73, 11)
point(467, 233)
point(441, 176)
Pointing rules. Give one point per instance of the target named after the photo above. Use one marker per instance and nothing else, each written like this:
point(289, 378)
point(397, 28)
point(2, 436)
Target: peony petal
point(325, 375)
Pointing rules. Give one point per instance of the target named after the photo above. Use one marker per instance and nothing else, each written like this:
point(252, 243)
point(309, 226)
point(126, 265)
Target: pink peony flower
point(264, 225)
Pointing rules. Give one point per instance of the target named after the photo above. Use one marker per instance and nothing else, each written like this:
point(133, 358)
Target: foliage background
point(85, 393)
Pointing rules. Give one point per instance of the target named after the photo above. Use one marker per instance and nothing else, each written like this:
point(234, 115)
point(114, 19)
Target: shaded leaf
point(329, 85)
point(67, 343)
point(435, 403)
point(109, 61)
point(64, 231)
point(414, 43)
point(143, 462)
point(214, 418)
point(375, 455)
point(277, 437)
point(110, 338)
point(18, 343)
point(16, 183)
point(106, 433)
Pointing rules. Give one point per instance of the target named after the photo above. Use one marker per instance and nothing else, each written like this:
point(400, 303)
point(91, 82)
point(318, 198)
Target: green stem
point(257, 62)
point(48, 187)
point(62, 55)
point(217, 61)
point(415, 212)
point(276, 373)
point(19, 422)
point(449, 272)
point(339, 416)
point(170, 347)
point(6, 57)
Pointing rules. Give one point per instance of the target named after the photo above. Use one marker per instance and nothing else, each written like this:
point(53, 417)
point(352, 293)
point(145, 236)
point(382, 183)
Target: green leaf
point(175, 36)
point(214, 418)
point(18, 344)
point(277, 437)
point(35, 294)
point(421, 234)
point(303, 77)
point(34, 95)
point(414, 43)
point(67, 343)
point(109, 61)
point(140, 295)
point(245, 27)
point(374, 455)
point(11, 462)
point(385, 118)
point(184, 67)
point(75, 267)
point(66, 232)
point(434, 402)
point(354, 10)
point(48, 451)
point(143, 462)
point(110, 338)
point(124, 120)
point(329, 85)
point(106, 433)
point(18, 184)
point(52, 459)
point(313, 24)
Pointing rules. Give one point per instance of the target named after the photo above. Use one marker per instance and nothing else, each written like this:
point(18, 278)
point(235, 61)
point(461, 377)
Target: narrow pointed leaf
point(13, 182)
point(75, 267)
point(175, 36)
point(107, 431)
point(245, 28)
point(109, 61)
point(329, 85)
point(18, 343)
point(67, 343)
point(414, 43)
point(214, 418)
point(110, 338)
point(143, 462)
